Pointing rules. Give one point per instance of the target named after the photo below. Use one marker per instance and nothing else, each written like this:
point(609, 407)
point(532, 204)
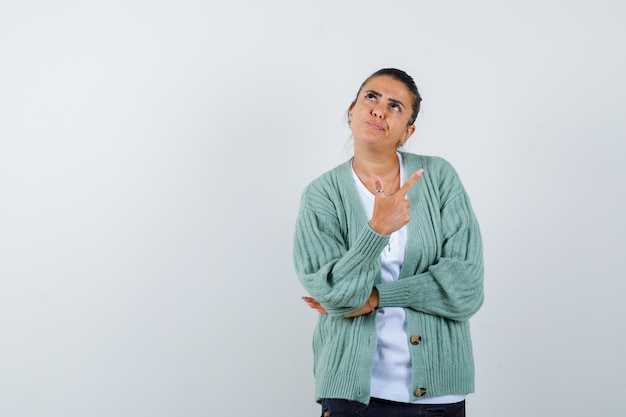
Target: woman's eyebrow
point(376, 93)
point(398, 102)
point(392, 100)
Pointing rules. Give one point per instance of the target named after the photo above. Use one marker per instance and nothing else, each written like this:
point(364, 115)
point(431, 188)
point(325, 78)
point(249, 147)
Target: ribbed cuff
point(370, 243)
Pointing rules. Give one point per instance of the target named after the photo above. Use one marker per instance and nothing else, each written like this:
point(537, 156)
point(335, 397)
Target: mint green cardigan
point(337, 259)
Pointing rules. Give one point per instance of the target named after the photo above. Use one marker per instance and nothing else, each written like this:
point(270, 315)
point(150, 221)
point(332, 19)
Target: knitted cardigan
point(337, 259)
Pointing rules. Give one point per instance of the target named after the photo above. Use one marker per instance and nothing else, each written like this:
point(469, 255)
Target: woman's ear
point(409, 131)
point(350, 112)
point(351, 108)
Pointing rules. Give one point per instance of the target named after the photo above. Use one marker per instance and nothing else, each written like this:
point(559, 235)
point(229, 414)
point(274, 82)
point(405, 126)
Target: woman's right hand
point(391, 212)
point(368, 307)
point(315, 305)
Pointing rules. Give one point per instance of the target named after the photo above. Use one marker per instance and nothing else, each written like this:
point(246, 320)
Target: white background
point(152, 156)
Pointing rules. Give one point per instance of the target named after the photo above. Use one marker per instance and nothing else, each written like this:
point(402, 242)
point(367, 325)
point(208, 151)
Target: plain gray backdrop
point(152, 156)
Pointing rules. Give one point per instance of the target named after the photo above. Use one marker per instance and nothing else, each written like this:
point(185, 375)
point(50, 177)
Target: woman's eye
point(370, 96)
point(395, 107)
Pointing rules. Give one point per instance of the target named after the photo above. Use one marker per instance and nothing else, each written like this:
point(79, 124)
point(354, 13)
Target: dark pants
point(384, 408)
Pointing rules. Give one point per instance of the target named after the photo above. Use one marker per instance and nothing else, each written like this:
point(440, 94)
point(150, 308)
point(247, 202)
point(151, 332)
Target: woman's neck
point(376, 163)
point(387, 167)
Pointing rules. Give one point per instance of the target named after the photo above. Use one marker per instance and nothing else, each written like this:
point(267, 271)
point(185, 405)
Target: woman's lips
point(375, 125)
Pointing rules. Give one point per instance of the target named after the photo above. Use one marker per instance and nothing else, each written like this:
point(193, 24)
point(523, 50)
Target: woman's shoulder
point(438, 172)
point(428, 162)
point(331, 178)
point(328, 186)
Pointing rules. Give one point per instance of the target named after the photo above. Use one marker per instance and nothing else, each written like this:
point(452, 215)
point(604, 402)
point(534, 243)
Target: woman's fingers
point(412, 180)
point(314, 304)
point(379, 186)
point(391, 212)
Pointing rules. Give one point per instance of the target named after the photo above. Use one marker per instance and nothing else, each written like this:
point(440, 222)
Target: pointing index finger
point(412, 180)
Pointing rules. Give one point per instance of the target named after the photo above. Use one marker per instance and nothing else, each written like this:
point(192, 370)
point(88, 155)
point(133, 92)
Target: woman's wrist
point(375, 228)
point(373, 299)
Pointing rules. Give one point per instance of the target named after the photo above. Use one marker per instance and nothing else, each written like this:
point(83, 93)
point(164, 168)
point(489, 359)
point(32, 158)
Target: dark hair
point(405, 79)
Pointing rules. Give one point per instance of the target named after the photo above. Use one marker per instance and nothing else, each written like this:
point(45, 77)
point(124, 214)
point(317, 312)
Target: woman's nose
point(378, 111)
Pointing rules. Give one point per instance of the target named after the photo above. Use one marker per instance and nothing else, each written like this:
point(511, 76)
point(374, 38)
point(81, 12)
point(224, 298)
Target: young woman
point(389, 250)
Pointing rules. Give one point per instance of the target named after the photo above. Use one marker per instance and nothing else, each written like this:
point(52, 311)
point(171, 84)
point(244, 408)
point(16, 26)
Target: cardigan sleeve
point(337, 274)
point(452, 287)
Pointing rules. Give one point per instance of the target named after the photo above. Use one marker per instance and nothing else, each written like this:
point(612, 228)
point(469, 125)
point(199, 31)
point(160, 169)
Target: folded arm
point(452, 287)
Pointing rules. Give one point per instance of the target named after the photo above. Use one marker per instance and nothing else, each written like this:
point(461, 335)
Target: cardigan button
point(420, 391)
point(416, 339)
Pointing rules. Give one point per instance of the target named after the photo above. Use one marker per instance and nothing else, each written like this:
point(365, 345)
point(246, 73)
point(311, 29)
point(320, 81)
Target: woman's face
point(380, 115)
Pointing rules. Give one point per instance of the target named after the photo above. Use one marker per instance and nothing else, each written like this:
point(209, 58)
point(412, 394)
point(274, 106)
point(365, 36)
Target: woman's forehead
point(387, 86)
